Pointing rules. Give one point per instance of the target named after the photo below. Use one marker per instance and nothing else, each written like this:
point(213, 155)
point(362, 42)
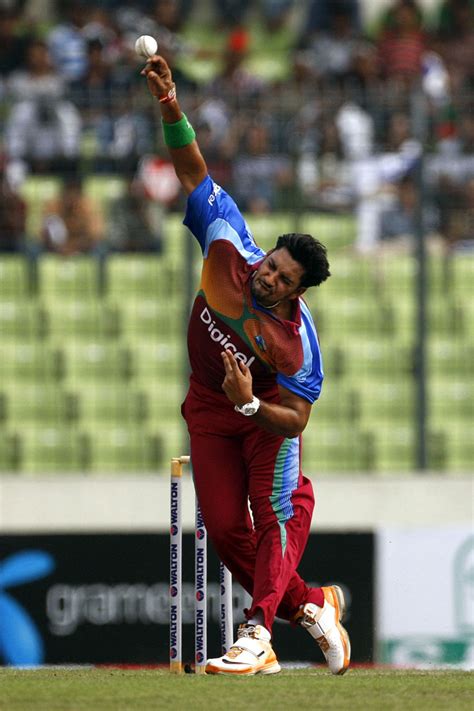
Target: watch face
point(250, 408)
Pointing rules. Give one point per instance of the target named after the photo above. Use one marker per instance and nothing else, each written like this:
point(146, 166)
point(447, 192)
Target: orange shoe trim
point(245, 671)
point(330, 594)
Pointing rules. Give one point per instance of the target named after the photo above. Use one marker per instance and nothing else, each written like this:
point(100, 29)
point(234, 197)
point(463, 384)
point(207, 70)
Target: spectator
point(234, 82)
point(374, 177)
point(169, 14)
point(12, 214)
point(333, 190)
point(231, 13)
point(459, 223)
point(450, 176)
point(42, 128)
point(455, 37)
point(38, 79)
point(388, 17)
point(328, 55)
point(363, 84)
point(67, 42)
point(320, 13)
point(356, 131)
point(401, 46)
point(93, 94)
point(130, 137)
point(100, 27)
point(45, 135)
point(156, 177)
point(72, 223)
point(261, 177)
point(217, 140)
point(275, 13)
point(398, 223)
point(131, 224)
point(161, 22)
point(12, 43)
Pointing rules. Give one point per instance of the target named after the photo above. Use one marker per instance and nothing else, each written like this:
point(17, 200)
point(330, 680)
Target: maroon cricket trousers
point(236, 463)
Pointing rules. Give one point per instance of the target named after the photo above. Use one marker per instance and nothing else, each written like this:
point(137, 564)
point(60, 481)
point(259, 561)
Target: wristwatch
point(249, 408)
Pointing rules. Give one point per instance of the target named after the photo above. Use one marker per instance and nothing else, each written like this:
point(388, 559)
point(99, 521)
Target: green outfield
point(146, 690)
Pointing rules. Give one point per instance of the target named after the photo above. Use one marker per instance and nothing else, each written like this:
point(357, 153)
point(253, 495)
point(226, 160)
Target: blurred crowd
point(297, 105)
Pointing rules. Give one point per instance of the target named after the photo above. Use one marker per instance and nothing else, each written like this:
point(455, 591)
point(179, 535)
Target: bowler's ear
point(299, 292)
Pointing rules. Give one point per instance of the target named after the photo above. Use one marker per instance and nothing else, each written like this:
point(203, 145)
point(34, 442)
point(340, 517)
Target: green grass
point(147, 690)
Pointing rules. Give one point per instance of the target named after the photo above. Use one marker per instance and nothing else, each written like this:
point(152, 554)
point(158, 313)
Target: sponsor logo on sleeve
point(215, 192)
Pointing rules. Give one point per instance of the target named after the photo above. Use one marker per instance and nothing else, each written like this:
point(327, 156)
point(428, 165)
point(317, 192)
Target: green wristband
point(179, 134)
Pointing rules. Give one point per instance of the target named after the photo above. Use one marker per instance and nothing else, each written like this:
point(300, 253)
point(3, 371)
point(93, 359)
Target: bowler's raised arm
point(179, 135)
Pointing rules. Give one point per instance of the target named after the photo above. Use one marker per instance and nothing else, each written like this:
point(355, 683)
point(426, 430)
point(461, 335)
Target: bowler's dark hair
point(310, 253)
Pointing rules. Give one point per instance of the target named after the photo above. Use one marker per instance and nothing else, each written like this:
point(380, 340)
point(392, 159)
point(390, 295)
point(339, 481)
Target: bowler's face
point(278, 278)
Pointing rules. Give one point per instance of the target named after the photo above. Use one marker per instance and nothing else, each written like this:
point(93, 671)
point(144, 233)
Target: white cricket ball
point(146, 46)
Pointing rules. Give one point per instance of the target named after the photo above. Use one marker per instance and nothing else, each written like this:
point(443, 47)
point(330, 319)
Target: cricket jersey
point(226, 316)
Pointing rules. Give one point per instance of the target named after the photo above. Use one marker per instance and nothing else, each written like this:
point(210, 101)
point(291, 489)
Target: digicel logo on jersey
point(219, 337)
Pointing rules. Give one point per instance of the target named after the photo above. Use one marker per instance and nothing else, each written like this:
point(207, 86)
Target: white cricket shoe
point(251, 654)
point(324, 624)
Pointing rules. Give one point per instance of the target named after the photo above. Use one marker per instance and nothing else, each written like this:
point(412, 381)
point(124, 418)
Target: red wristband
point(170, 96)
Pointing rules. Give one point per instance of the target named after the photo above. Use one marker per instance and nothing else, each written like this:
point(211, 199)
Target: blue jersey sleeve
point(307, 382)
point(212, 214)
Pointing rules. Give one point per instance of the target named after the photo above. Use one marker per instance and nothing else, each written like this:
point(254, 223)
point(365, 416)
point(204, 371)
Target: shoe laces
point(246, 631)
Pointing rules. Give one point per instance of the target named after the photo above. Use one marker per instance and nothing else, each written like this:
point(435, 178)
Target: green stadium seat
point(9, 452)
point(350, 278)
point(158, 360)
point(337, 232)
point(36, 403)
point(385, 399)
point(451, 397)
point(459, 445)
point(76, 320)
point(174, 436)
point(463, 307)
point(437, 453)
point(62, 278)
point(395, 447)
point(395, 274)
point(271, 50)
point(22, 319)
point(29, 361)
point(267, 227)
point(130, 277)
point(15, 277)
point(37, 190)
point(352, 315)
point(460, 269)
point(374, 357)
point(444, 316)
point(96, 361)
point(336, 403)
point(125, 449)
point(53, 449)
point(336, 449)
point(103, 189)
point(164, 398)
point(111, 404)
point(178, 242)
point(333, 361)
point(448, 356)
point(158, 319)
point(437, 275)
